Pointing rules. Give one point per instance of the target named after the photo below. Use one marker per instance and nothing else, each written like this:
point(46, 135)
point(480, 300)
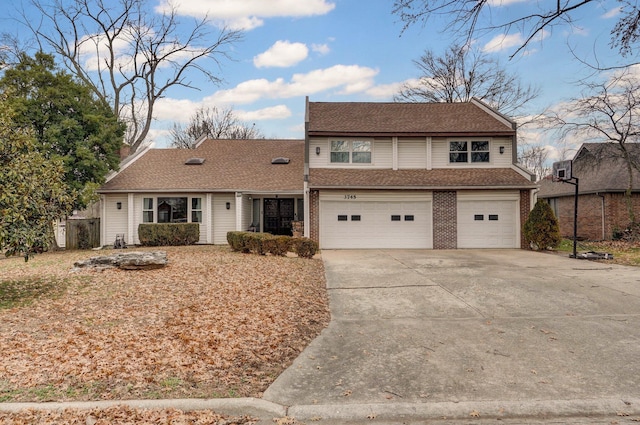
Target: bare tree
point(467, 19)
point(608, 111)
point(213, 123)
point(535, 158)
point(462, 73)
point(129, 55)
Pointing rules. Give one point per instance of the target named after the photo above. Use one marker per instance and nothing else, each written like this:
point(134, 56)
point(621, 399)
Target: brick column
point(525, 209)
point(314, 215)
point(445, 220)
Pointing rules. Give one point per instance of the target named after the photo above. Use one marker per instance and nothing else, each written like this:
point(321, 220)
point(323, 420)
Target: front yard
point(212, 323)
point(624, 253)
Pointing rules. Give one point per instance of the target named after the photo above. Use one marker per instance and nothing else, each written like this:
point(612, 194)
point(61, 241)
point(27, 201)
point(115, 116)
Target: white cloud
point(386, 91)
point(248, 14)
point(347, 78)
point(612, 13)
point(498, 3)
point(277, 112)
point(282, 54)
point(177, 110)
point(323, 49)
point(503, 42)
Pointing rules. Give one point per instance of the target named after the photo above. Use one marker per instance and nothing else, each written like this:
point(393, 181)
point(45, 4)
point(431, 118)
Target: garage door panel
point(375, 229)
point(487, 224)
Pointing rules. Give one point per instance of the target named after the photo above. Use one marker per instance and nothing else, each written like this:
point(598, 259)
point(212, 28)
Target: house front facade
point(413, 175)
point(367, 175)
point(223, 185)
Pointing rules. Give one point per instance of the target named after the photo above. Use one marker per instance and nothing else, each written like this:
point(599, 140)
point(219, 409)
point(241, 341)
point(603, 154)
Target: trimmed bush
point(278, 245)
point(256, 242)
point(541, 228)
point(261, 243)
point(168, 234)
point(305, 247)
point(238, 241)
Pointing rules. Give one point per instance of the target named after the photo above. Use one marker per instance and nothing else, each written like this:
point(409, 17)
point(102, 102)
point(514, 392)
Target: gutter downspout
point(307, 213)
point(602, 208)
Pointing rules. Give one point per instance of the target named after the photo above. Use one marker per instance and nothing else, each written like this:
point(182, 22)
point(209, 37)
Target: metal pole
point(575, 220)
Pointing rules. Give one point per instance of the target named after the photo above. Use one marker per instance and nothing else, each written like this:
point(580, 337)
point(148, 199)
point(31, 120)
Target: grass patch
point(624, 253)
point(18, 293)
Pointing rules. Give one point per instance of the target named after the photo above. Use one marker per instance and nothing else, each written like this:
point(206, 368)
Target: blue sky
point(355, 50)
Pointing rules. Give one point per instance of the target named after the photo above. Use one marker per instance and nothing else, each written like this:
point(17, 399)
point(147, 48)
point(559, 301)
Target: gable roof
point(409, 119)
point(599, 167)
point(228, 166)
point(441, 178)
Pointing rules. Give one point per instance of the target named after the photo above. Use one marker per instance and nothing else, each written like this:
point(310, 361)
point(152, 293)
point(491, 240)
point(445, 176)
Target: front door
point(278, 214)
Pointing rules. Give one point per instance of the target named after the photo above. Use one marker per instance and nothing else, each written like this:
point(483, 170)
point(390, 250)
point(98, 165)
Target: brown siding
point(525, 209)
point(314, 215)
point(445, 220)
point(590, 219)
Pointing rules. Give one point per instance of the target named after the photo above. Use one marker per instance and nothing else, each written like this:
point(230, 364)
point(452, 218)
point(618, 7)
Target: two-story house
point(367, 175)
point(413, 175)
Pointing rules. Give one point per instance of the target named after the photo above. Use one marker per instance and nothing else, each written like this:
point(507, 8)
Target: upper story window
point(469, 151)
point(350, 152)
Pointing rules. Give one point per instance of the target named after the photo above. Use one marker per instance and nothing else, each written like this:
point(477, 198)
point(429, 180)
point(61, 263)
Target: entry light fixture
point(317, 150)
point(119, 205)
point(501, 150)
point(228, 205)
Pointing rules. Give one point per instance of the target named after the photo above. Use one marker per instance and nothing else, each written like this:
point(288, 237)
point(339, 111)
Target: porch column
point(208, 217)
point(307, 215)
point(131, 215)
point(239, 212)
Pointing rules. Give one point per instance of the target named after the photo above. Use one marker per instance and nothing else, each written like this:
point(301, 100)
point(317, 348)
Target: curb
point(229, 406)
point(469, 409)
point(267, 410)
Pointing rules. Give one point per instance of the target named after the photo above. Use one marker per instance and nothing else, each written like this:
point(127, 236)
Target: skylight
point(194, 161)
point(280, 160)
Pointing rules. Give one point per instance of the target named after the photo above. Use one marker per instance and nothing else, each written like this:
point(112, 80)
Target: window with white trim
point(196, 210)
point(469, 151)
point(171, 210)
point(351, 151)
point(147, 210)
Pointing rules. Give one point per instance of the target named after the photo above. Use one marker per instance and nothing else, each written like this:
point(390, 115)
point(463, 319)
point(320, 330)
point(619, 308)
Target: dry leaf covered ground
point(212, 323)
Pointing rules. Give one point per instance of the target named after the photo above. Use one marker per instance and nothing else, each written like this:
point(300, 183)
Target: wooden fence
point(83, 233)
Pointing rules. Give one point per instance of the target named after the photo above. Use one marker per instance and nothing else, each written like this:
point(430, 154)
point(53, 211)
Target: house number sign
point(349, 196)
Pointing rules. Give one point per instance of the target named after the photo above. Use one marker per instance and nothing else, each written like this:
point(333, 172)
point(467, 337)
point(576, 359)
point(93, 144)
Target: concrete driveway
point(446, 333)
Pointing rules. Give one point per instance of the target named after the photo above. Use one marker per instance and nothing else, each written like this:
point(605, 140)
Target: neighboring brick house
point(603, 180)
point(367, 175)
point(413, 175)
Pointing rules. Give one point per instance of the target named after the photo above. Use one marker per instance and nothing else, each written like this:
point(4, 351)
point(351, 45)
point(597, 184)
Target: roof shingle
point(230, 165)
point(364, 118)
point(418, 179)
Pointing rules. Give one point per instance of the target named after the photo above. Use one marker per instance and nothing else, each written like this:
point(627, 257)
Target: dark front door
point(278, 214)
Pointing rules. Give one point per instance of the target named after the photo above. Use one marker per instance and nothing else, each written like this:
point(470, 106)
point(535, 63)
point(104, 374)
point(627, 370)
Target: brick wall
point(314, 215)
point(525, 209)
point(445, 220)
point(590, 215)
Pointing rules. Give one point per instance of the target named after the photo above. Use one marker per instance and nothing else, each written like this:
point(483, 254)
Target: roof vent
point(194, 161)
point(280, 160)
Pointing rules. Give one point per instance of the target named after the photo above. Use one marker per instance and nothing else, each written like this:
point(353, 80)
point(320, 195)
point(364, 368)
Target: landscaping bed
point(212, 323)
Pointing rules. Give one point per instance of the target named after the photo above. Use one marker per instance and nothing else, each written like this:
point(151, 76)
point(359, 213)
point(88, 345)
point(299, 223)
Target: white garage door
point(356, 224)
point(488, 224)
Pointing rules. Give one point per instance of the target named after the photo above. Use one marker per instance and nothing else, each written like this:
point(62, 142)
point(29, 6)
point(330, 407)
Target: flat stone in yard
point(134, 260)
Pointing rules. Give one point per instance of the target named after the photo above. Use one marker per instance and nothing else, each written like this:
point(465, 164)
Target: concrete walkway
point(465, 336)
point(500, 333)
